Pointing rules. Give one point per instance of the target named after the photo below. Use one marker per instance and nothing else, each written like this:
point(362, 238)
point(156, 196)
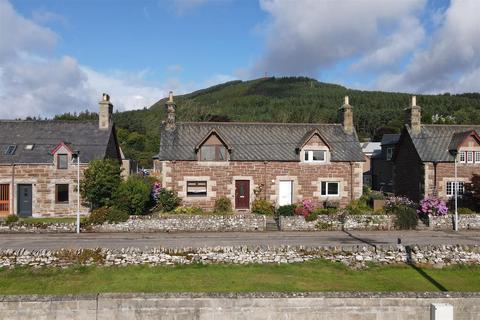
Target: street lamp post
point(456, 194)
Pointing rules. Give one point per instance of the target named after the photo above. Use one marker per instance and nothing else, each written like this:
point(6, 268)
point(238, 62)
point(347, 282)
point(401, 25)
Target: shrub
point(305, 208)
point(287, 210)
point(331, 204)
point(10, 219)
point(168, 200)
point(262, 206)
point(406, 218)
point(188, 210)
point(358, 207)
point(465, 211)
point(325, 211)
point(223, 205)
point(432, 206)
point(100, 182)
point(133, 195)
point(98, 216)
point(376, 195)
point(312, 216)
point(393, 202)
point(116, 215)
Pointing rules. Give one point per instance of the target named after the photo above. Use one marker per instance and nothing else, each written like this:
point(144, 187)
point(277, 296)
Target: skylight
point(29, 147)
point(11, 150)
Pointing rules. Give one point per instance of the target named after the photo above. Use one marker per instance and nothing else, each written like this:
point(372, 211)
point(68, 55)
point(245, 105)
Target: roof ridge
point(260, 123)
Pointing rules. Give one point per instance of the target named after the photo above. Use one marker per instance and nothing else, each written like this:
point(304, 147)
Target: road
point(252, 239)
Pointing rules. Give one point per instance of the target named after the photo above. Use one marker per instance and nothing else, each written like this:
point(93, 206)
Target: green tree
point(100, 182)
point(133, 195)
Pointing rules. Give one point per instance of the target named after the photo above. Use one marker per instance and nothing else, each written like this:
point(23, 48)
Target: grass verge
point(310, 276)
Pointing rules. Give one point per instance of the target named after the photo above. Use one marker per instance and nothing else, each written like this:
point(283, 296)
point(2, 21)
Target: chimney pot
point(414, 101)
point(105, 112)
point(170, 97)
point(346, 116)
point(413, 116)
point(345, 100)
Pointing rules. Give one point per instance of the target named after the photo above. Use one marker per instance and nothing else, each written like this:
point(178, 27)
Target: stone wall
point(337, 222)
point(354, 256)
point(43, 178)
point(239, 306)
point(465, 222)
point(221, 176)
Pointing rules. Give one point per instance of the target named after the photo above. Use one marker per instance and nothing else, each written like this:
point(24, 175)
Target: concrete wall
point(342, 306)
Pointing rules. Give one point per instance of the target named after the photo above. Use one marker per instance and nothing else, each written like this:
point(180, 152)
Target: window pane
point(221, 153)
point(449, 188)
point(62, 192)
point(324, 188)
point(306, 155)
point(462, 156)
point(318, 155)
point(333, 188)
point(62, 161)
point(207, 153)
point(477, 157)
point(196, 188)
point(469, 156)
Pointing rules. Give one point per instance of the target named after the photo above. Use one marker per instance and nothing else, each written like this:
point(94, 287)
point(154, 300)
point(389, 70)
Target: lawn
point(311, 276)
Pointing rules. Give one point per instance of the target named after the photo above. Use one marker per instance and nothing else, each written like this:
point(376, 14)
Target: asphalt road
point(252, 239)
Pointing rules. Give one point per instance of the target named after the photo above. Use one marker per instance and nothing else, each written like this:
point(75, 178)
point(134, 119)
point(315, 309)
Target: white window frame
point(192, 193)
point(449, 188)
point(326, 188)
point(389, 153)
point(462, 157)
point(308, 153)
point(477, 156)
point(469, 156)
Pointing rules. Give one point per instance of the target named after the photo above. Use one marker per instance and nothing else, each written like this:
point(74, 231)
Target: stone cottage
point(38, 169)
point(281, 162)
point(425, 157)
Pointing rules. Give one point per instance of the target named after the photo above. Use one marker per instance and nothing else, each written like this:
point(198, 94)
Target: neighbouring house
point(383, 165)
point(370, 150)
point(38, 165)
point(281, 162)
point(425, 157)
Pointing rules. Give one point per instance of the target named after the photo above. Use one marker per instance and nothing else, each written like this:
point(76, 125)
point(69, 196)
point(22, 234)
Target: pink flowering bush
point(305, 208)
point(432, 206)
point(156, 191)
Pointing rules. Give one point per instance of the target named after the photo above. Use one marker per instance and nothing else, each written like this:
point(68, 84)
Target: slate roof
point(46, 135)
point(257, 141)
point(390, 138)
point(434, 141)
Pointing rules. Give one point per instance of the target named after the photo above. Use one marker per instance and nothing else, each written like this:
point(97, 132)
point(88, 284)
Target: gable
point(472, 141)
point(315, 141)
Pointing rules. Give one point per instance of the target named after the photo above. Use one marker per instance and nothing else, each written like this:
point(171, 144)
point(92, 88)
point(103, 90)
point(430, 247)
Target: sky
point(60, 56)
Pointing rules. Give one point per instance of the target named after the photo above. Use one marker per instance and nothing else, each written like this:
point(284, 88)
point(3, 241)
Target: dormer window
point(62, 161)
point(10, 150)
point(315, 155)
point(213, 153)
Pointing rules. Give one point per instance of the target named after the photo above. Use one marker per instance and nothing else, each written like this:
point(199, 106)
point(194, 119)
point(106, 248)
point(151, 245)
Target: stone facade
point(338, 223)
point(221, 177)
point(465, 222)
point(44, 178)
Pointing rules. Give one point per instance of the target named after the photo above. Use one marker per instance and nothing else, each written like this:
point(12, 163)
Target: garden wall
point(465, 222)
point(157, 223)
point(334, 222)
point(239, 306)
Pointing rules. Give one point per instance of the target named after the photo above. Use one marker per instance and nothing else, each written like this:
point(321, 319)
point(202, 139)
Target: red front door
point(242, 194)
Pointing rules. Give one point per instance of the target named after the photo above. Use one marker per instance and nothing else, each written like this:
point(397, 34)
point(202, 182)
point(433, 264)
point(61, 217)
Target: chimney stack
point(346, 116)
point(413, 116)
point(105, 112)
point(170, 106)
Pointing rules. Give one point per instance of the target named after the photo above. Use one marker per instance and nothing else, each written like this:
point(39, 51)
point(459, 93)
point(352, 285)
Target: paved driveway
point(178, 240)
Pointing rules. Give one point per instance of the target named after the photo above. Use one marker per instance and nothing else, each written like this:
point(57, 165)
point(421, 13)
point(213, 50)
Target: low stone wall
point(156, 223)
point(465, 222)
point(239, 306)
point(338, 222)
point(353, 256)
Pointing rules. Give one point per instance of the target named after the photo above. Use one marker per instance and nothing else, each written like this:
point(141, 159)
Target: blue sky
point(60, 56)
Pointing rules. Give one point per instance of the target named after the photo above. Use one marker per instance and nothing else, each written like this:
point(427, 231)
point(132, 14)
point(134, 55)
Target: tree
point(133, 195)
point(100, 182)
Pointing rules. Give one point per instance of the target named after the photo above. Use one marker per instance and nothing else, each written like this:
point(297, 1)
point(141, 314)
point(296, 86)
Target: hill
point(290, 99)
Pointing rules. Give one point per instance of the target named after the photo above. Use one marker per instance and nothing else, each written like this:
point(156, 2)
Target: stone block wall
point(337, 223)
point(43, 178)
point(465, 222)
point(221, 176)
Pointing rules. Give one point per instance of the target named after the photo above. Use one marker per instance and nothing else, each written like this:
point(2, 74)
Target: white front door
point(285, 192)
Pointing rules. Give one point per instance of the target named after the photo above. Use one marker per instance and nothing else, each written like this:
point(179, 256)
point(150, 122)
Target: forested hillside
point(292, 99)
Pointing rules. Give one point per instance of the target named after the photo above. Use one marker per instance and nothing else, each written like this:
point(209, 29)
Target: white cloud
point(305, 36)
point(451, 60)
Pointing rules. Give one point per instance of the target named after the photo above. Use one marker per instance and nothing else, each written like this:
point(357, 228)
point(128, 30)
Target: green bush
point(262, 206)
point(287, 210)
point(98, 216)
point(406, 218)
point(168, 200)
point(312, 216)
point(325, 211)
point(465, 211)
point(115, 215)
point(188, 210)
point(100, 182)
point(223, 205)
point(358, 207)
point(331, 204)
point(10, 219)
point(133, 195)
